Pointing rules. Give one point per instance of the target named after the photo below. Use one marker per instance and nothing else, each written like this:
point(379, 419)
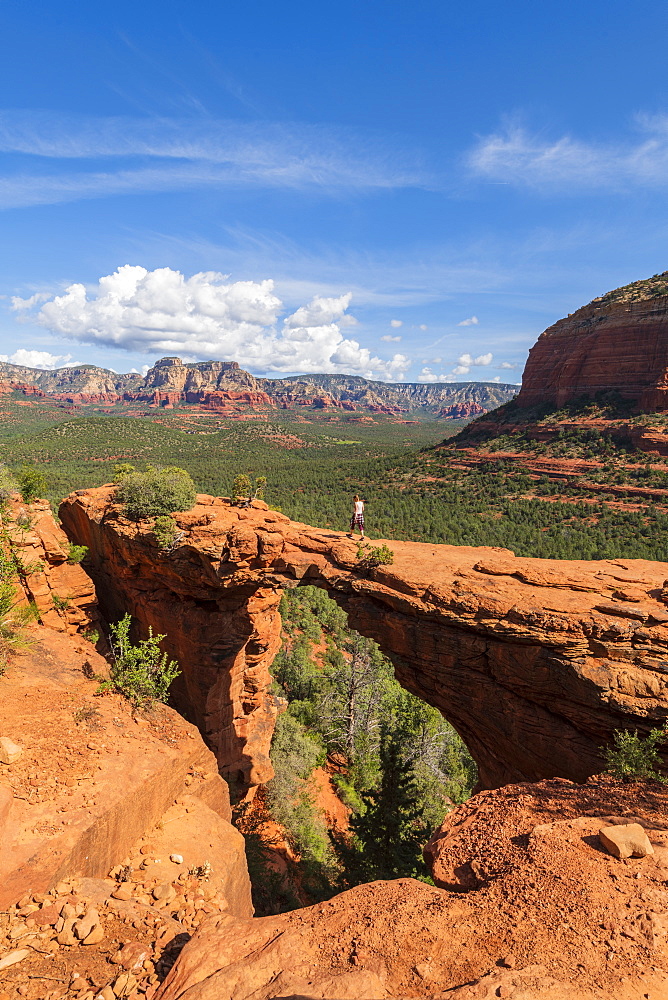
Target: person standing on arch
point(357, 520)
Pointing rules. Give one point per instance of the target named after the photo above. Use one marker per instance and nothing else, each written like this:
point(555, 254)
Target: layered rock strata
point(535, 662)
point(606, 346)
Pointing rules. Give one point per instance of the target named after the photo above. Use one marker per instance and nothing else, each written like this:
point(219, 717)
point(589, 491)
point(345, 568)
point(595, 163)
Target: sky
point(399, 190)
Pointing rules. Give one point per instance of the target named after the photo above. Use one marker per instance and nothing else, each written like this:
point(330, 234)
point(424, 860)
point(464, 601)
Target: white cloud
point(508, 364)
point(513, 156)
point(423, 326)
point(205, 316)
point(19, 304)
point(471, 321)
point(467, 361)
point(482, 359)
point(390, 340)
point(163, 154)
point(396, 323)
point(37, 359)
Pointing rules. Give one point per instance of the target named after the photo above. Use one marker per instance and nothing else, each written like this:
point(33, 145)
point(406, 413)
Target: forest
point(413, 488)
point(395, 762)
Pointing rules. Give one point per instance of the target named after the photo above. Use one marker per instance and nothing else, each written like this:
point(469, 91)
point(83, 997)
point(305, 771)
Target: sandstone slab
point(529, 659)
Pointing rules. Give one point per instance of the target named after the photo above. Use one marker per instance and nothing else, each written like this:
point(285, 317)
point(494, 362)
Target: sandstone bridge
point(535, 662)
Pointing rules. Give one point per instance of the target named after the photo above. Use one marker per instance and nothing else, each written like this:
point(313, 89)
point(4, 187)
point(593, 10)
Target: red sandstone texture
point(617, 346)
point(93, 778)
point(548, 915)
point(459, 410)
point(42, 550)
point(535, 662)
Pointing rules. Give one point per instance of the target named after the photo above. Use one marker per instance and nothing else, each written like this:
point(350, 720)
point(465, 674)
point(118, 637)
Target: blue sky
point(398, 190)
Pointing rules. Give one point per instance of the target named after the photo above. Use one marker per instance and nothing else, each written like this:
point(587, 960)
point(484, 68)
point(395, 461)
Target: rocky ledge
point(546, 914)
point(535, 662)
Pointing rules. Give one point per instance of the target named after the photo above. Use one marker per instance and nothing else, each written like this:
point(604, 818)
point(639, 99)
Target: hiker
point(357, 520)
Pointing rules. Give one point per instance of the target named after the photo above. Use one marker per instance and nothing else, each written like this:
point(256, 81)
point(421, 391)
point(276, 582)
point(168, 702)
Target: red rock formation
point(605, 346)
point(42, 549)
point(548, 915)
point(459, 410)
point(93, 778)
point(535, 662)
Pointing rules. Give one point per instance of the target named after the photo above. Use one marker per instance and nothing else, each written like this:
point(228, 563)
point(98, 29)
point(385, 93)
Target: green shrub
point(634, 758)
point(8, 484)
point(13, 619)
point(244, 491)
point(374, 555)
point(141, 673)
point(77, 553)
point(60, 603)
point(32, 484)
point(165, 531)
point(155, 492)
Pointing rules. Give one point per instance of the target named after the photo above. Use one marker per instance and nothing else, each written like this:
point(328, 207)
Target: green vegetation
point(141, 673)
point(636, 758)
point(244, 490)
point(77, 553)
point(155, 491)
point(165, 531)
point(13, 619)
point(646, 288)
point(374, 555)
point(32, 484)
point(395, 761)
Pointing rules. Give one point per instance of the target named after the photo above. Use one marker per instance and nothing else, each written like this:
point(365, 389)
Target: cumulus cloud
point(19, 304)
point(37, 359)
point(467, 361)
point(396, 323)
point(508, 364)
point(207, 316)
point(389, 339)
point(471, 321)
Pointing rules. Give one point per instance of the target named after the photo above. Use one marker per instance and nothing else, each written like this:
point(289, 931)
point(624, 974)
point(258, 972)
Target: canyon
point(534, 662)
point(521, 882)
point(225, 388)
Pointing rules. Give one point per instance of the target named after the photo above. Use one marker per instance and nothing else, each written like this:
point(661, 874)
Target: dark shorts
point(357, 521)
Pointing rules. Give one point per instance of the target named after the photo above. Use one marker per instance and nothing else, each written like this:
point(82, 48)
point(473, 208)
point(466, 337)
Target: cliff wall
point(607, 346)
point(535, 662)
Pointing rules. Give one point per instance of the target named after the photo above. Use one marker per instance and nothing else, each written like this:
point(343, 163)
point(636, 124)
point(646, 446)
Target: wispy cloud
point(206, 151)
point(515, 156)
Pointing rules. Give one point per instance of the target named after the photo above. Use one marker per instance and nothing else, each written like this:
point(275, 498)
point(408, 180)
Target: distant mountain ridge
point(221, 385)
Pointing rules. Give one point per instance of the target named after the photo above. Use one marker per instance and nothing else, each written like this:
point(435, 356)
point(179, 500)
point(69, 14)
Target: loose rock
point(9, 751)
point(626, 841)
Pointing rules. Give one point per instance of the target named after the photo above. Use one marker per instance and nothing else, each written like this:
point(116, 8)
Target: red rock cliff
point(617, 343)
point(535, 662)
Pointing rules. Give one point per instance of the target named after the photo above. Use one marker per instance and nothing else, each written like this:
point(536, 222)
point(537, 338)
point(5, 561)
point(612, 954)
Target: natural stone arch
point(535, 662)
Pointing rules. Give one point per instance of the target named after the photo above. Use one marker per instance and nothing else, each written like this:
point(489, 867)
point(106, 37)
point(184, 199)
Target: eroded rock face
point(94, 777)
point(61, 591)
point(535, 662)
point(540, 892)
point(605, 346)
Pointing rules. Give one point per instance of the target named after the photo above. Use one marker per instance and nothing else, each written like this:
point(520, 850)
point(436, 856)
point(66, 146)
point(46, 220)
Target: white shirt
point(359, 506)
